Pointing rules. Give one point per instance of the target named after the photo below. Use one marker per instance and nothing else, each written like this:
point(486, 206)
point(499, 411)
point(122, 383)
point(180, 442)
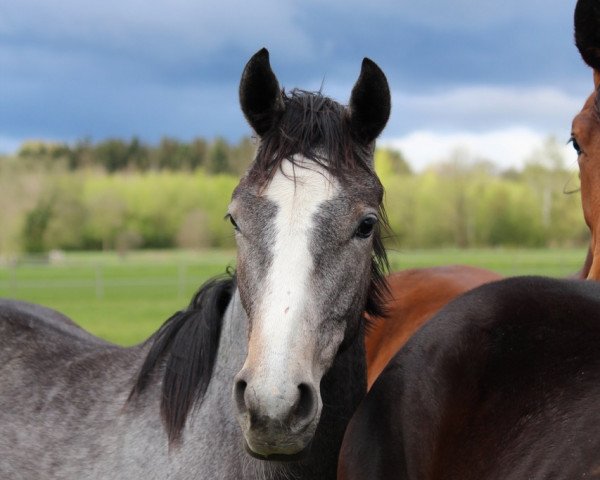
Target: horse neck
point(342, 388)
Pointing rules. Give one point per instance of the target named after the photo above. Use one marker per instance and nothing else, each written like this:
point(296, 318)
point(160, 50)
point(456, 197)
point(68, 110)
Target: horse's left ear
point(370, 103)
point(260, 95)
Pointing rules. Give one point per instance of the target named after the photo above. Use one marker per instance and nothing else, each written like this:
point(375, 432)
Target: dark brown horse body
point(504, 382)
point(415, 296)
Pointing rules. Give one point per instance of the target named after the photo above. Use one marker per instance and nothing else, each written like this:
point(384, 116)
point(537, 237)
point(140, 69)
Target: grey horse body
point(64, 412)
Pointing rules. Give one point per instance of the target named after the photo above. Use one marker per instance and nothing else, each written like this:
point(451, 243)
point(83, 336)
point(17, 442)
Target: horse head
point(307, 218)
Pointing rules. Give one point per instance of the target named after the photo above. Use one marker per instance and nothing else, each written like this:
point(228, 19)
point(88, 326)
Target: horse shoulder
point(45, 358)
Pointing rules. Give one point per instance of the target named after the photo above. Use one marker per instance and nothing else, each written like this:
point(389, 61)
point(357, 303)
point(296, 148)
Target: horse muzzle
point(278, 419)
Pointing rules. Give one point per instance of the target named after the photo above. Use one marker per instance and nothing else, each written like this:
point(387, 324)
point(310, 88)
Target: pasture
point(125, 298)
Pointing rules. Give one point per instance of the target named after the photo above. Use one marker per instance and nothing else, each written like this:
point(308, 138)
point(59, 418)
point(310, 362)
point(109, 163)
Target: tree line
point(117, 155)
point(126, 202)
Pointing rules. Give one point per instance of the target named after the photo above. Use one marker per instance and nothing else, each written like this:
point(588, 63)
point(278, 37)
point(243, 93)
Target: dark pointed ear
point(260, 95)
point(370, 103)
point(587, 31)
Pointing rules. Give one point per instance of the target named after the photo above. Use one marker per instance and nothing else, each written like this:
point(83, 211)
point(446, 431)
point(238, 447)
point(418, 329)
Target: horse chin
point(273, 456)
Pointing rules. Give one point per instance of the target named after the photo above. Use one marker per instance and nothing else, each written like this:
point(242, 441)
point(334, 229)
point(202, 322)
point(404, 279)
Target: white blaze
point(298, 192)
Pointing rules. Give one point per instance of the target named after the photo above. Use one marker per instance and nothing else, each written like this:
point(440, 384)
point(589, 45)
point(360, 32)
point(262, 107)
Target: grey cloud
point(125, 67)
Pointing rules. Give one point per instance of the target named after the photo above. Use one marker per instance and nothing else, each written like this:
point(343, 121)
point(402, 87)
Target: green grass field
point(125, 299)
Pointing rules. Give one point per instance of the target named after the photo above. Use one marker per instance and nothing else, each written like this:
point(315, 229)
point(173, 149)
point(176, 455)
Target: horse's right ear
point(370, 103)
point(260, 95)
point(587, 31)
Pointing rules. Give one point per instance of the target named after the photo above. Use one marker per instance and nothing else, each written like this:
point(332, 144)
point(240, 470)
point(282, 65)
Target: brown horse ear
point(260, 96)
point(370, 103)
point(587, 31)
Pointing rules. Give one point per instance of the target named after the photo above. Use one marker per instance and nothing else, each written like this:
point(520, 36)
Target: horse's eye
point(232, 221)
point(366, 227)
point(575, 145)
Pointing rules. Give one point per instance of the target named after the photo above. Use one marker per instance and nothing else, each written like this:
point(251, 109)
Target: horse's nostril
point(306, 403)
point(240, 394)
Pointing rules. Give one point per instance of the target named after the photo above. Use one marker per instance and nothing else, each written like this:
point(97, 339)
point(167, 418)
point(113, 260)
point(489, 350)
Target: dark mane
point(317, 127)
point(186, 345)
point(379, 291)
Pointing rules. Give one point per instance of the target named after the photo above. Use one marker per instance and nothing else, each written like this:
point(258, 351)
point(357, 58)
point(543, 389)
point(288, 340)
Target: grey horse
point(284, 336)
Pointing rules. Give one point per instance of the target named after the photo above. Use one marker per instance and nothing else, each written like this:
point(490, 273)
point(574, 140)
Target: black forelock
point(315, 127)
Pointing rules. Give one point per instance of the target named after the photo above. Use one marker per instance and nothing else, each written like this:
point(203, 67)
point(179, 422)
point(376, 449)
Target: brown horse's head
point(585, 133)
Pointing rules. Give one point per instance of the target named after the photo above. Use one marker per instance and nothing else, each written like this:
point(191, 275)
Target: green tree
point(36, 224)
point(107, 218)
point(218, 157)
point(112, 154)
point(241, 156)
point(198, 153)
point(389, 161)
point(82, 155)
point(168, 154)
point(63, 230)
point(138, 155)
point(548, 178)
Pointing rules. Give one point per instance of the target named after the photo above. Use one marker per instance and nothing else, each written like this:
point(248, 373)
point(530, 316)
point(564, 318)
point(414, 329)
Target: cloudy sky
point(494, 77)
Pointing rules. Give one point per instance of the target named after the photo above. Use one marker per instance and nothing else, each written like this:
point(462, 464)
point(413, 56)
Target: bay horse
point(504, 382)
point(259, 376)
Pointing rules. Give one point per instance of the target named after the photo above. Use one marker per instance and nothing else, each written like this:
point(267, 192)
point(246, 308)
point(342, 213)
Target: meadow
point(125, 298)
